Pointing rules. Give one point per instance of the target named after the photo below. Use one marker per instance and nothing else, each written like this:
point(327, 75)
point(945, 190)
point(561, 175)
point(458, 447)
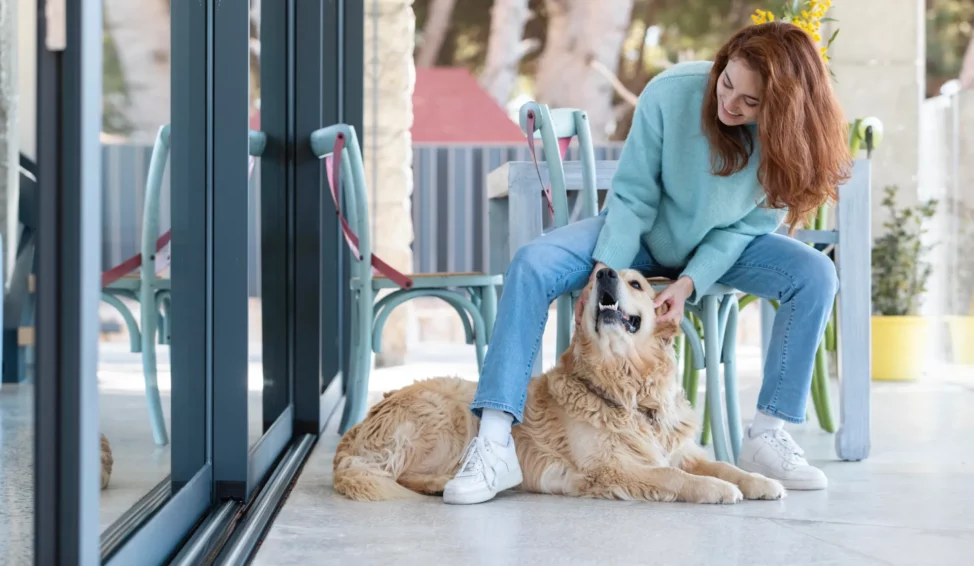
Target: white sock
point(495, 426)
point(763, 422)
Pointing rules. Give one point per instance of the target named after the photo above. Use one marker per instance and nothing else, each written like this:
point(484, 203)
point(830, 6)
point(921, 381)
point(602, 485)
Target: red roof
point(449, 106)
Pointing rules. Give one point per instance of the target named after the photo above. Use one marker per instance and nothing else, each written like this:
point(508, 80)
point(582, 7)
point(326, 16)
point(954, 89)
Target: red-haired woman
point(718, 156)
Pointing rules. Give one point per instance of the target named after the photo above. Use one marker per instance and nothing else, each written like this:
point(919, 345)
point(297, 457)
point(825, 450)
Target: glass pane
point(260, 411)
point(134, 376)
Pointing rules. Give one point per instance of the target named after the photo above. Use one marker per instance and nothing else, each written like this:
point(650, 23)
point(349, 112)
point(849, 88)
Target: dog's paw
point(756, 486)
point(713, 490)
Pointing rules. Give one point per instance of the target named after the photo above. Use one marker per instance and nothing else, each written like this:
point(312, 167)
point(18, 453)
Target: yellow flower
point(808, 19)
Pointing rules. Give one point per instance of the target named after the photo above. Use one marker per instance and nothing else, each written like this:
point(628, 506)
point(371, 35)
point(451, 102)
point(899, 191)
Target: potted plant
point(960, 321)
point(899, 280)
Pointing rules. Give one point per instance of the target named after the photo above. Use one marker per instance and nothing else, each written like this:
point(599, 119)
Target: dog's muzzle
point(608, 312)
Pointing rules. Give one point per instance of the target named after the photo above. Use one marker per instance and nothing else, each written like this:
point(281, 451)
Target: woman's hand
point(674, 297)
point(583, 297)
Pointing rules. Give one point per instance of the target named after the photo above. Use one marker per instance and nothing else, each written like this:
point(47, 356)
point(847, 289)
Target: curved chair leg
point(150, 324)
point(705, 433)
point(135, 335)
point(384, 306)
point(820, 390)
point(711, 330)
point(360, 358)
point(480, 340)
point(693, 374)
point(729, 359)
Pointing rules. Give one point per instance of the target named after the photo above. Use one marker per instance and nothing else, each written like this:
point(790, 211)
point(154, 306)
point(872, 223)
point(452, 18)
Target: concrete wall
point(878, 60)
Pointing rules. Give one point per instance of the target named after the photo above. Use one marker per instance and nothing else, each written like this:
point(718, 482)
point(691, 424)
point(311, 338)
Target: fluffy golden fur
point(106, 461)
point(608, 421)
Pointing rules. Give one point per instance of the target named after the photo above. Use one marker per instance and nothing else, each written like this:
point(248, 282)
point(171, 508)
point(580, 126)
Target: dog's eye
point(635, 285)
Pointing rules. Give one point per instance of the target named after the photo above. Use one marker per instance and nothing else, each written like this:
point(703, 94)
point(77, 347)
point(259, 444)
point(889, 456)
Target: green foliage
point(900, 273)
point(948, 32)
point(114, 99)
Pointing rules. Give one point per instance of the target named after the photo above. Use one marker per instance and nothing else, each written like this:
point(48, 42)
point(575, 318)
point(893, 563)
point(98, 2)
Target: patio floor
point(909, 503)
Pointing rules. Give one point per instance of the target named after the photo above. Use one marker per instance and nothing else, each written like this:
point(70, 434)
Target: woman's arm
point(721, 247)
point(636, 185)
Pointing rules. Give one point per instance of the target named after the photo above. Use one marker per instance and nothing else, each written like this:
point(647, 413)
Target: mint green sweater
point(664, 195)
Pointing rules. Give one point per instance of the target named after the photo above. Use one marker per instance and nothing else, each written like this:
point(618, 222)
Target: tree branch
point(617, 85)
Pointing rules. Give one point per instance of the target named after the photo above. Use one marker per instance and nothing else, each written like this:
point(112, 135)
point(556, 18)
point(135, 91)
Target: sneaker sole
point(791, 485)
point(480, 495)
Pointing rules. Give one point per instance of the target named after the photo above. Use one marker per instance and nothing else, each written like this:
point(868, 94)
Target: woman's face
point(739, 91)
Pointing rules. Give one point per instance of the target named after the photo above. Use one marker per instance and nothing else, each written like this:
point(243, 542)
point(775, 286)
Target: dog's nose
point(606, 273)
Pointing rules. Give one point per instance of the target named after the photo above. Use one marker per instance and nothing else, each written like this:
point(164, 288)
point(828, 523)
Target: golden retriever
point(608, 421)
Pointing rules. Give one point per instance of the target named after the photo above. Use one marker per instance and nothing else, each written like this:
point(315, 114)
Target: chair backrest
point(351, 194)
point(556, 128)
point(151, 240)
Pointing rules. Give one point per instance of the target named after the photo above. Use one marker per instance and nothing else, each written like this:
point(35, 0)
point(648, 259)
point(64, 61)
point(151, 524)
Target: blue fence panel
point(449, 204)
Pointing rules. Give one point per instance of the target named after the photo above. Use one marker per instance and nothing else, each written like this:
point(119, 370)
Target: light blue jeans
point(801, 278)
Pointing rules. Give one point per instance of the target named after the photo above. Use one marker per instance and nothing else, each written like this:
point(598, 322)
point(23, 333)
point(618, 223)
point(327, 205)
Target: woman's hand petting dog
point(674, 296)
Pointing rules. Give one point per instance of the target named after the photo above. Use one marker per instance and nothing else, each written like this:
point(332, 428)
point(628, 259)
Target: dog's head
point(619, 322)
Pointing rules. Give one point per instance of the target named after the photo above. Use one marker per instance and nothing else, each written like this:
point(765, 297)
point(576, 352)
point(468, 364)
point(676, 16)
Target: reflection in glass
point(255, 341)
point(134, 358)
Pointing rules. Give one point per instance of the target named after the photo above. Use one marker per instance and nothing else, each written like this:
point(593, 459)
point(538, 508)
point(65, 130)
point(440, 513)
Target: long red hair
point(802, 132)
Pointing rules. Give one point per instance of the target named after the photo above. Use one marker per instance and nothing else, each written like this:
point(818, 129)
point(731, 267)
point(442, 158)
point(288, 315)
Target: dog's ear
point(666, 330)
point(585, 293)
point(662, 309)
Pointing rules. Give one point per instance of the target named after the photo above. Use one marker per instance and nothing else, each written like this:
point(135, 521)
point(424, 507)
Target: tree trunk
point(967, 66)
point(437, 24)
point(578, 34)
point(141, 34)
point(505, 48)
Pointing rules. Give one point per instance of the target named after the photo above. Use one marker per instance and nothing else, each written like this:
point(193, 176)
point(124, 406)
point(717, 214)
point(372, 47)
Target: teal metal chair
point(472, 295)
point(556, 128)
point(140, 279)
point(717, 308)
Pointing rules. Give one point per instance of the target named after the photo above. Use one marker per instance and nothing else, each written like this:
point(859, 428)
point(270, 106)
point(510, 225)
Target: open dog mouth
point(608, 313)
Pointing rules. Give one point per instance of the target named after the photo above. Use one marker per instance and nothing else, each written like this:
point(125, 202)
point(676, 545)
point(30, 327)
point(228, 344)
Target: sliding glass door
point(178, 331)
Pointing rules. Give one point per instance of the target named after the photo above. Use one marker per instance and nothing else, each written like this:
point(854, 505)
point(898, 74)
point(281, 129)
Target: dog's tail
point(369, 476)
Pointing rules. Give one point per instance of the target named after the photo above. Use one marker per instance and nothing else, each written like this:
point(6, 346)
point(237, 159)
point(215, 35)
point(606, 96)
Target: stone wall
point(390, 76)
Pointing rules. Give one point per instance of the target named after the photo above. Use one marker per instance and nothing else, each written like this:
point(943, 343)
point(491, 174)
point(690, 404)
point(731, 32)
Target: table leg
point(855, 300)
point(498, 237)
point(525, 225)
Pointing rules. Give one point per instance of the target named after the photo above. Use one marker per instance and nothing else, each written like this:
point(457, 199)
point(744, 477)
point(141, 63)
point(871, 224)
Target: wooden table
point(515, 210)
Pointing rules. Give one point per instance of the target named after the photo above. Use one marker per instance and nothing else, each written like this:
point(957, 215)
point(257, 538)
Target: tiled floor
point(910, 503)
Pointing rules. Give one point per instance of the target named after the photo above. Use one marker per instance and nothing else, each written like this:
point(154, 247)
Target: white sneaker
point(487, 469)
point(774, 454)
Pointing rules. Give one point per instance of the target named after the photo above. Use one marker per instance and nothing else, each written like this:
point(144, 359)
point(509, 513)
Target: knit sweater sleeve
point(636, 185)
point(721, 247)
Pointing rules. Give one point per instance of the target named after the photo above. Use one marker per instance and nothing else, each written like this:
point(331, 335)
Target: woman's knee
point(817, 276)
point(551, 267)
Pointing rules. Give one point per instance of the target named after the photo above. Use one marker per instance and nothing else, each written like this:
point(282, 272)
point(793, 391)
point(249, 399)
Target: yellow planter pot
point(961, 329)
point(899, 347)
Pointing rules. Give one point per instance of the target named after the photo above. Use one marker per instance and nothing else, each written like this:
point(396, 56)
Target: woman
point(718, 155)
